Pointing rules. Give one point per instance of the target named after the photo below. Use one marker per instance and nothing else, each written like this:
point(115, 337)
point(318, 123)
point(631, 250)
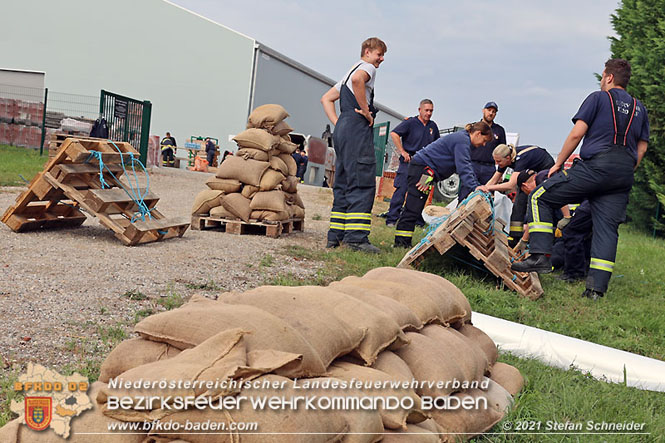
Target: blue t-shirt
point(537, 159)
point(483, 154)
point(415, 135)
point(448, 155)
point(596, 111)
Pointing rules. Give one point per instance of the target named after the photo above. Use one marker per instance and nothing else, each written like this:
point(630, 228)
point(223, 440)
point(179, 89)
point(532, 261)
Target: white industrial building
point(202, 77)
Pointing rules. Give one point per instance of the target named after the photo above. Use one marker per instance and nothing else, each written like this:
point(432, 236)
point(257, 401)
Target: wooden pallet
point(472, 226)
point(70, 182)
point(58, 138)
point(239, 227)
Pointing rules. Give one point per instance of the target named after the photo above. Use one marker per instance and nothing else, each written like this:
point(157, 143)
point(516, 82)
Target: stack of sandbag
point(393, 333)
point(259, 182)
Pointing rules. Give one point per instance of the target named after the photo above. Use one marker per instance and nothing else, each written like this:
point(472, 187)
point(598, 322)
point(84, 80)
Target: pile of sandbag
point(393, 333)
point(259, 182)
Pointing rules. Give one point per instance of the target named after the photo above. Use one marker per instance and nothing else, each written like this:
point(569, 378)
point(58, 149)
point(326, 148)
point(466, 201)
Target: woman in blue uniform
point(437, 161)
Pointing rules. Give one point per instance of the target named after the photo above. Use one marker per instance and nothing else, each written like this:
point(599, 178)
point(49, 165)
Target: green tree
point(640, 26)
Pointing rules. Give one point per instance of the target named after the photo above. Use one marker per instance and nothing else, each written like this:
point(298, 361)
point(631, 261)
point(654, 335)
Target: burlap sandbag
point(206, 200)
point(509, 377)
point(429, 361)
point(474, 421)
point(412, 434)
point(290, 184)
point(222, 212)
point(247, 171)
point(290, 163)
point(274, 425)
point(286, 145)
point(467, 354)
point(253, 154)
point(266, 116)
point(248, 191)
point(256, 139)
point(391, 364)
point(298, 212)
point(328, 334)
point(237, 205)
point(270, 180)
point(281, 128)
point(269, 201)
point(89, 421)
point(132, 353)
point(452, 304)
point(201, 318)
point(425, 307)
point(270, 215)
point(399, 312)
point(484, 341)
point(278, 164)
point(229, 186)
point(392, 418)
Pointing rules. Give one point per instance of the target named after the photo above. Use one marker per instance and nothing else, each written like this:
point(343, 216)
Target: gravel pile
point(66, 294)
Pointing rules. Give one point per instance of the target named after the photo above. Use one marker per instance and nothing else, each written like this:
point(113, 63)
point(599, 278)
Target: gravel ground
point(63, 293)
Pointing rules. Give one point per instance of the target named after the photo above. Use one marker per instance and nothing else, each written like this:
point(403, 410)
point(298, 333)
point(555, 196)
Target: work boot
point(390, 224)
point(592, 294)
point(364, 247)
point(539, 263)
point(401, 242)
point(332, 244)
point(569, 278)
point(384, 214)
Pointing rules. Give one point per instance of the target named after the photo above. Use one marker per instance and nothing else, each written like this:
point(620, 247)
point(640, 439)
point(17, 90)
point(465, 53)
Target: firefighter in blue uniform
point(520, 158)
point(483, 163)
point(436, 161)
point(353, 137)
point(168, 146)
point(615, 127)
point(577, 244)
point(409, 137)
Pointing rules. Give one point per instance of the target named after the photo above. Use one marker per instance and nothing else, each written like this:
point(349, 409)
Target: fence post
point(41, 145)
point(145, 131)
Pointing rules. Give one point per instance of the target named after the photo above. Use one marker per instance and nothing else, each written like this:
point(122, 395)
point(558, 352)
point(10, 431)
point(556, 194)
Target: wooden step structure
point(70, 183)
point(473, 226)
point(268, 228)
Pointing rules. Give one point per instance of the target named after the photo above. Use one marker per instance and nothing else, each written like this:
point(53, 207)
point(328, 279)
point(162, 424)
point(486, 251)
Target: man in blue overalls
point(615, 127)
point(355, 167)
point(481, 158)
point(409, 137)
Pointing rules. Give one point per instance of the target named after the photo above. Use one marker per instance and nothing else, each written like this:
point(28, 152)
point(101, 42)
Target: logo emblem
point(38, 412)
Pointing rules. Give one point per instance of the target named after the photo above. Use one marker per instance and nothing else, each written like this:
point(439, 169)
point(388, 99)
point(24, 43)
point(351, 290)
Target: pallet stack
point(473, 226)
point(71, 182)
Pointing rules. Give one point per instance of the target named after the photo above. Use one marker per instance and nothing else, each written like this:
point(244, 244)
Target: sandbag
point(286, 145)
point(298, 212)
point(257, 139)
point(270, 215)
point(270, 180)
point(229, 186)
point(290, 184)
point(394, 366)
point(466, 353)
point(509, 377)
point(237, 205)
point(132, 353)
point(420, 303)
point(201, 318)
point(253, 154)
point(205, 200)
point(222, 212)
point(399, 312)
point(247, 171)
point(329, 335)
point(248, 191)
point(484, 341)
point(269, 201)
point(281, 128)
point(302, 425)
point(392, 418)
point(278, 164)
point(290, 163)
point(266, 116)
point(451, 303)
point(412, 434)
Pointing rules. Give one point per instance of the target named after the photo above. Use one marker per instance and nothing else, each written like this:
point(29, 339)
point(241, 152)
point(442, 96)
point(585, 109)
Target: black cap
point(491, 105)
point(524, 176)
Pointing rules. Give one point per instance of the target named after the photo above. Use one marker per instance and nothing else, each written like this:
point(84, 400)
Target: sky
point(535, 59)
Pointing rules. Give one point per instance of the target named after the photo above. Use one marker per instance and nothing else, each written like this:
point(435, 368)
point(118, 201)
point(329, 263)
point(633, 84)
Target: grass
point(16, 161)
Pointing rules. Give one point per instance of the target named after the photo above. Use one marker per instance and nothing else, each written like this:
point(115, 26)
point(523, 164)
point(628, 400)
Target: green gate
point(381, 132)
point(128, 120)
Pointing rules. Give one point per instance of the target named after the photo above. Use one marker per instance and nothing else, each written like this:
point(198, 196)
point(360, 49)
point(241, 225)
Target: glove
point(563, 223)
point(521, 246)
point(426, 181)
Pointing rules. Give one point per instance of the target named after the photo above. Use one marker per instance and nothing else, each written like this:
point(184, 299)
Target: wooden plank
point(19, 223)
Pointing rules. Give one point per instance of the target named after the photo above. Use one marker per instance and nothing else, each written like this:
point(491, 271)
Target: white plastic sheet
point(602, 362)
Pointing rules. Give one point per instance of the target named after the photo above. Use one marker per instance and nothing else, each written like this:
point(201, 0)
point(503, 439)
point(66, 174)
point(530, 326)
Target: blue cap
point(491, 105)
